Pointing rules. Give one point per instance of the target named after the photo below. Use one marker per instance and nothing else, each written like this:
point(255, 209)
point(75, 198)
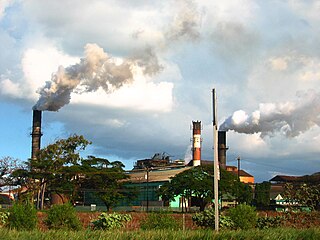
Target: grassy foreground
point(280, 233)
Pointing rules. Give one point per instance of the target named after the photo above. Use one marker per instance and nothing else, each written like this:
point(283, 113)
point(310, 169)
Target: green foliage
point(63, 217)
point(277, 233)
point(243, 216)
point(269, 222)
point(59, 168)
point(307, 194)
point(110, 221)
point(197, 182)
point(262, 194)
point(4, 216)
point(158, 221)
point(225, 222)
point(22, 217)
point(104, 177)
point(206, 219)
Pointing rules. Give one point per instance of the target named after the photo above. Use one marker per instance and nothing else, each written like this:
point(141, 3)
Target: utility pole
point(238, 190)
point(216, 162)
point(147, 177)
point(238, 158)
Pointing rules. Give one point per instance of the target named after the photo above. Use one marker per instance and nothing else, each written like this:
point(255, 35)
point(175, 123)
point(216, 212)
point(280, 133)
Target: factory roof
point(306, 178)
point(156, 175)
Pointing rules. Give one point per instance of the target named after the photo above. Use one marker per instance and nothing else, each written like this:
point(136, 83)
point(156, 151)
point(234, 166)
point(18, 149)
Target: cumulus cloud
point(3, 5)
point(251, 52)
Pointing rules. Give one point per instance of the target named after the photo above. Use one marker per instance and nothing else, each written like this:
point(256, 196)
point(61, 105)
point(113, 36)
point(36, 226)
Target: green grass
point(271, 234)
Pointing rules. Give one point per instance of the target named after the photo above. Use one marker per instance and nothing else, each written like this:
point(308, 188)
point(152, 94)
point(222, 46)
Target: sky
point(131, 76)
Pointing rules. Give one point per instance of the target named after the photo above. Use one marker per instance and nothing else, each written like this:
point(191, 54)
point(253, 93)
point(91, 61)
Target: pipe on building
point(196, 147)
point(222, 149)
point(36, 133)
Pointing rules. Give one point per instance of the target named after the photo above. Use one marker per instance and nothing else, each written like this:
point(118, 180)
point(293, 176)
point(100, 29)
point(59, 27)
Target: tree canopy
point(59, 168)
point(197, 182)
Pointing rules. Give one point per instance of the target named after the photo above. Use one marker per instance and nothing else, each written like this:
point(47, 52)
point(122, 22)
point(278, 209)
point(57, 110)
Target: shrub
point(243, 216)
point(269, 222)
point(157, 221)
point(206, 219)
point(63, 217)
point(22, 217)
point(110, 221)
point(4, 218)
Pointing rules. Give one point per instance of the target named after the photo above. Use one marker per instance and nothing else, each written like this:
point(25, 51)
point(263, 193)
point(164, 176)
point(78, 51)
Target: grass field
point(280, 233)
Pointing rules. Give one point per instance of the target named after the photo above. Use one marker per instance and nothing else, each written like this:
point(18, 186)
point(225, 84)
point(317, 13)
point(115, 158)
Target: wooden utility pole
point(216, 162)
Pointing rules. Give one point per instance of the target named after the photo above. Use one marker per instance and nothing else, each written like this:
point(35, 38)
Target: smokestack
point(222, 149)
point(196, 147)
point(36, 133)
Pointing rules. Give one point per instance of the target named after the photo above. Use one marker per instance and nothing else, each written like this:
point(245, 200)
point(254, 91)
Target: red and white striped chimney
point(196, 147)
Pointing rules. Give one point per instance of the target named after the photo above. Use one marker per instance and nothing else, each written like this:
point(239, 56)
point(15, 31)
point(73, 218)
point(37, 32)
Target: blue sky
point(262, 57)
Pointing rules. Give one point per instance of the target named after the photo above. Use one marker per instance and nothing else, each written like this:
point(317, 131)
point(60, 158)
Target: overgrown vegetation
point(158, 221)
point(110, 221)
point(292, 234)
point(4, 216)
point(206, 219)
point(63, 217)
point(22, 217)
point(306, 193)
point(243, 216)
point(270, 222)
point(262, 194)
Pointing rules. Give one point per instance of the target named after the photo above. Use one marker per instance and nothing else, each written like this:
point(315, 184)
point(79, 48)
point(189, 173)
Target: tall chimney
point(196, 147)
point(222, 149)
point(36, 133)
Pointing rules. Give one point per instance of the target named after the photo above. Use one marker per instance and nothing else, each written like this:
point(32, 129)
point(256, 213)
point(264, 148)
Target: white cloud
point(7, 87)
point(251, 52)
point(3, 5)
point(279, 64)
point(141, 95)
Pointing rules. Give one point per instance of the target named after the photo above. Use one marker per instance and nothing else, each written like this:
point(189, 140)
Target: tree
point(60, 169)
point(197, 182)
point(7, 166)
point(305, 193)
point(52, 169)
point(105, 179)
point(262, 194)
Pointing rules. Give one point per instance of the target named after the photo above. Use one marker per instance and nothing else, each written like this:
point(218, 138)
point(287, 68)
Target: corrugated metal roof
point(158, 175)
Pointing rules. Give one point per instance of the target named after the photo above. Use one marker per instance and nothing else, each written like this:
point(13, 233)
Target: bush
point(4, 218)
point(243, 216)
point(269, 222)
point(110, 221)
point(63, 217)
point(206, 219)
point(22, 217)
point(157, 221)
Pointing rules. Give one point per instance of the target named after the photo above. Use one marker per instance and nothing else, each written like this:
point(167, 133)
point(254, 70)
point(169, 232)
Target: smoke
point(188, 155)
point(96, 70)
point(289, 118)
point(186, 23)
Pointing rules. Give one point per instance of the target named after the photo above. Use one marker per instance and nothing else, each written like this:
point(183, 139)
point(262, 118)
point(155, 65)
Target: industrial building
point(148, 175)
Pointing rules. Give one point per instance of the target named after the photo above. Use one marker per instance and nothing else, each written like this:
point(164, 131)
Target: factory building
point(148, 175)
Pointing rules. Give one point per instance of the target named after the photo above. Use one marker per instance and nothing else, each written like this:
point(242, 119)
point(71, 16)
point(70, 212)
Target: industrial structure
point(150, 174)
point(196, 140)
point(36, 133)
